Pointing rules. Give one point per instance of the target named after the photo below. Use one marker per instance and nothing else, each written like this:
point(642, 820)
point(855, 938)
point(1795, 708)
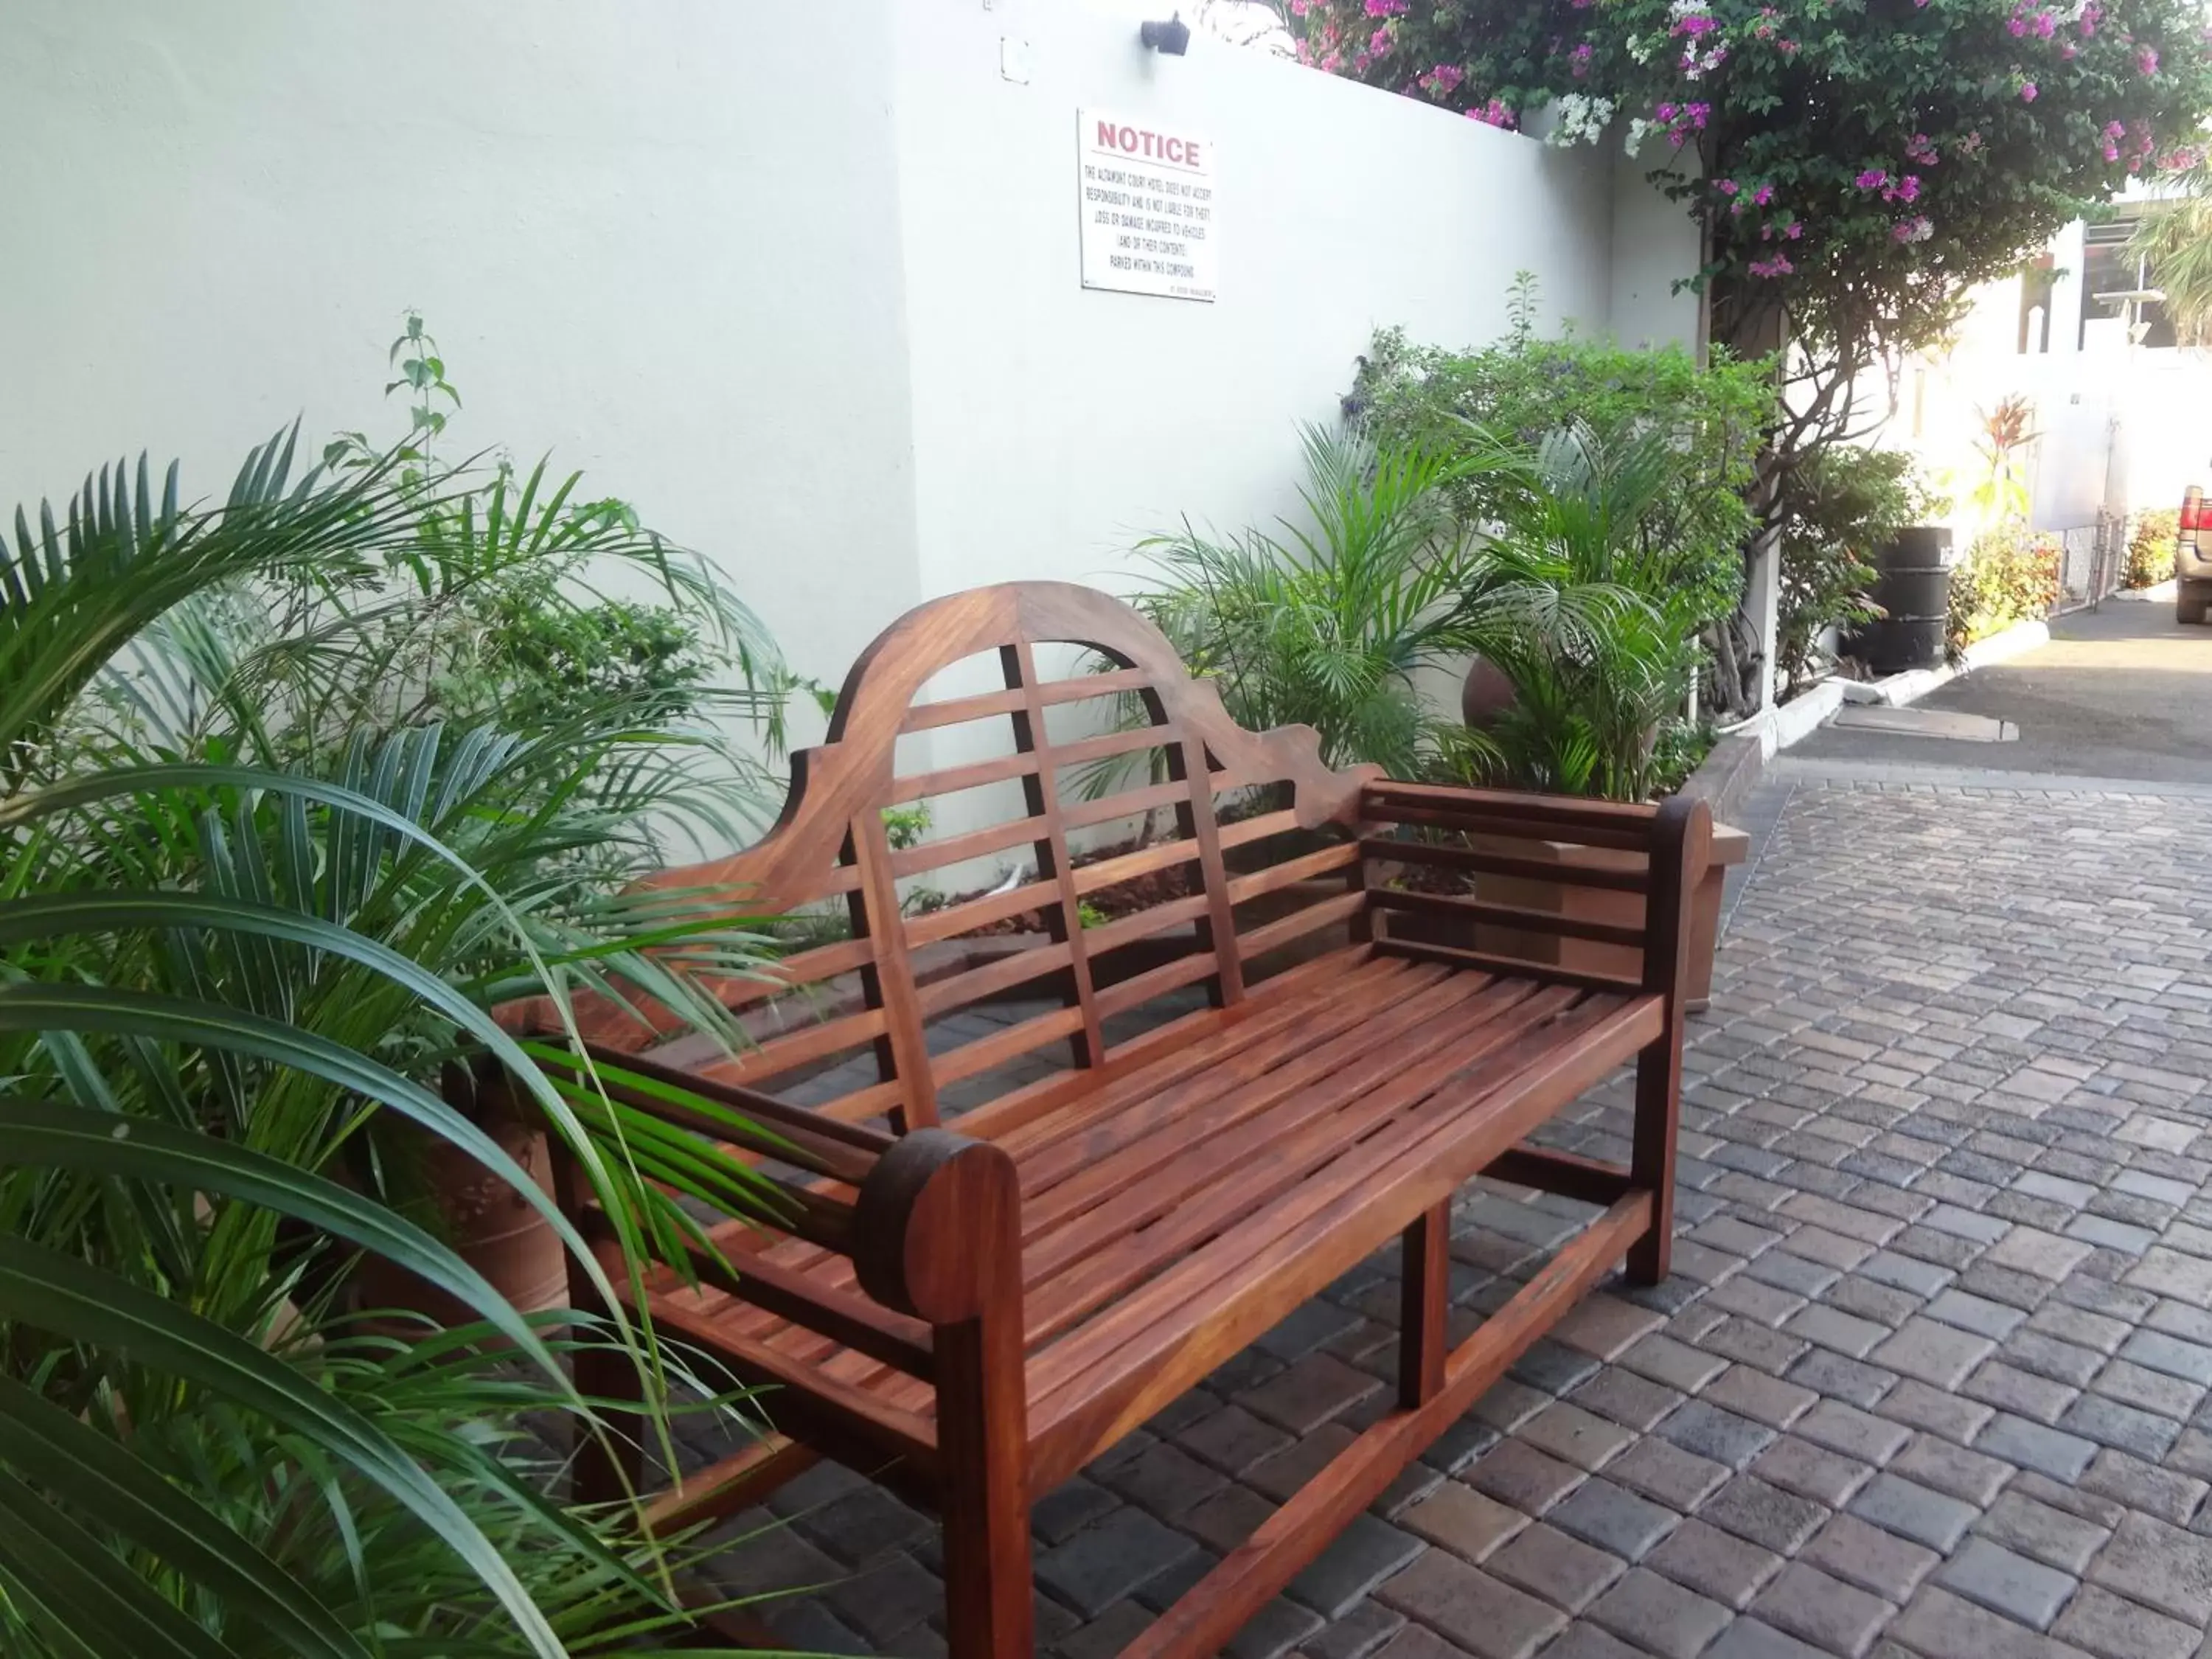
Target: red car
point(2192, 564)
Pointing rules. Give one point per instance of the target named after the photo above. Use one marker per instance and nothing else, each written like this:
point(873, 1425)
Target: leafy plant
point(1999, 496)
point(255, 908)
point(1861, 169)
point(1840, 507)
point(1711, 419)
point(1330, 623)
point(1681, 750)
point(2174, 236)
point(1597, 646)
point(2151, 548)
point(2008, 576)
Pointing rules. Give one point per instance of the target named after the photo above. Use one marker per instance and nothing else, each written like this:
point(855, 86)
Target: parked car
point(2192, 561)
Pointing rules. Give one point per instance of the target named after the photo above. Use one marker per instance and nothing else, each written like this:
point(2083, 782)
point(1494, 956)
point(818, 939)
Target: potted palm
point(232, 956)
point(1586, 647)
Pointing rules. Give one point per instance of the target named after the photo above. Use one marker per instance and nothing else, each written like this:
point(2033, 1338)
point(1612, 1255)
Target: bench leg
point(606, 1470)
point(982, 1440)
point(1651, 1157)
point(1424, 1308)
point(1681, 838)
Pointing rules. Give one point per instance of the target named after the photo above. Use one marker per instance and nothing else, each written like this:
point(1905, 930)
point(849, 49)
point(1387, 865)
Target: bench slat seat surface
point(1007, 1241)
point(1143, 1204)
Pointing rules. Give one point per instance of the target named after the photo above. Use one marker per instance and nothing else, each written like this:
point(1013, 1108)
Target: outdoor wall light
point(1172, 37)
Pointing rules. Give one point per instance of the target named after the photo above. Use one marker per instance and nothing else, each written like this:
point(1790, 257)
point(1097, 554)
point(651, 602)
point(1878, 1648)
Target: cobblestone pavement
point(1929, 1377)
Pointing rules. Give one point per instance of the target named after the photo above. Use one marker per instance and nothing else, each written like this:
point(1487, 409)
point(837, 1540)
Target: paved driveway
point(1930, 1375)
point(2124, 692)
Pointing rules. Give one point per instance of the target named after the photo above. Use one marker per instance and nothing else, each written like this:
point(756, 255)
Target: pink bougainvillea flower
point(1774, 266)
point(1695, 24)
point(1579, 60)
point(1697, 112)
point(2111, 151)
point(1794, 229)
point(1913, 230)
point(1386, 7)
point(1872, 179)
point(1908, 188)
point(1379, 43)
point(1443, 78)
point(2146, 60)
point(1920, 149)
point(2016, 25)
point(1667, 111)
point(2027, 92)
point(1726, 186)
point(1763, 195)
point(2045, 26)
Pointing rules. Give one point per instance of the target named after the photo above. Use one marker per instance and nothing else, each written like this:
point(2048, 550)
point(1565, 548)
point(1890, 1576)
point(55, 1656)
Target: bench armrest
point(1658, 852)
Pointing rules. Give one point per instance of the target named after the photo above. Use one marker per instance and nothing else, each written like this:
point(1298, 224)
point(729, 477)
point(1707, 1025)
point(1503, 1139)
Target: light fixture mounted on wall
point(1172, 37)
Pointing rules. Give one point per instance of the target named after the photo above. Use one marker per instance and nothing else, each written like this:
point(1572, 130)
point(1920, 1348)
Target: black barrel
point(1913, 586)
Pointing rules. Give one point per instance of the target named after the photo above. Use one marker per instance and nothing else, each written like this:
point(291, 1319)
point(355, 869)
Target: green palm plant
point(1596, 641)
point(1332, 622)
point(246, 922)
point(2173, 240)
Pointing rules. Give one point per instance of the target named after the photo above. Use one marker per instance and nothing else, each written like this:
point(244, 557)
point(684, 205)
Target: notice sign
point(1147, 201)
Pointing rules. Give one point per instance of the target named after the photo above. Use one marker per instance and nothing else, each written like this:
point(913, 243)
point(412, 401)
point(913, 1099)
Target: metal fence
point(2094, 558)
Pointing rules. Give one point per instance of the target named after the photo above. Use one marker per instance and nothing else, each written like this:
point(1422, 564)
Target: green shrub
point(1713, 419)
point(2150, 547)
point(1602, 661)
point(1327, 623)
point(1840, 506)
point(2008, 576)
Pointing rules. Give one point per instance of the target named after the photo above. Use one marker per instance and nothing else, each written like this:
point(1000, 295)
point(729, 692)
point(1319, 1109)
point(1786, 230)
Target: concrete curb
point(1901, 690)
point(2163, 592)
point(1790, 723)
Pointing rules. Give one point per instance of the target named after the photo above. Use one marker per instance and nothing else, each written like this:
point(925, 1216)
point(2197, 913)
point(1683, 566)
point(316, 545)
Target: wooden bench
point(973, 1313)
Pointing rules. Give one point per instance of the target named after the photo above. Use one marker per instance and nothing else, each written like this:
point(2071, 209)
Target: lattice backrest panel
point(1097, 798)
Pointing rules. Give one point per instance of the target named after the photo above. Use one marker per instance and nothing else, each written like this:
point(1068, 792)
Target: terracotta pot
point(490, 1225)
point(1484, 695)
point(1731, 845)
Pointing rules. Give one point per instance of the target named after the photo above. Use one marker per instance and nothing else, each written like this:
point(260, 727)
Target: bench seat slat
point(1173, 1269)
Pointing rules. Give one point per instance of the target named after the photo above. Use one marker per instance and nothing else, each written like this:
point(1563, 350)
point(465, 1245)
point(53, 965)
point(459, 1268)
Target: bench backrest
point(1223, 891)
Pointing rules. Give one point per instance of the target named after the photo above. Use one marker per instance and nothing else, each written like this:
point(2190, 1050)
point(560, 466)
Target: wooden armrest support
point(937, 1230)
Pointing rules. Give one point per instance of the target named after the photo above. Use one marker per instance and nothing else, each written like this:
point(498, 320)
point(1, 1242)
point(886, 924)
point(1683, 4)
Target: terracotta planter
point(490, 1225)
point(1730, 845)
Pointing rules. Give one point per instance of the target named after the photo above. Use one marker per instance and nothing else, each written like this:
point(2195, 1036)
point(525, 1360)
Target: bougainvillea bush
point(1859, 161)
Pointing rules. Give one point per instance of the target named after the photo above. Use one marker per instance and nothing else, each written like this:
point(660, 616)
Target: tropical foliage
point(1839, 509)
point(2008, 576)
point(2175, 237)
point(1594, 682)
point(259, 897)
point(1862, 163)
point(1331, 623)
point(1355, 620)
point(1711, 419)
point(2151, 548)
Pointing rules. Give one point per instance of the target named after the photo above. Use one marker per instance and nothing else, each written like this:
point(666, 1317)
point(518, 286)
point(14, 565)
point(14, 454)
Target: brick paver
point(1930, 1379)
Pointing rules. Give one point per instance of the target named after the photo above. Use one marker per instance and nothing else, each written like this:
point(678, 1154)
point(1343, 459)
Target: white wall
point(807, 292)
point(1054, 425)
point(660, 239)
